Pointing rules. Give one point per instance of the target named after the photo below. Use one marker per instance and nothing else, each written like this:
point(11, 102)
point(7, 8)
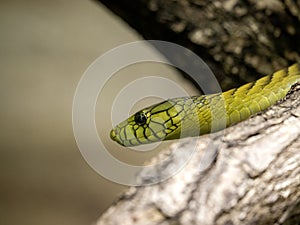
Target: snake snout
point(113, 135)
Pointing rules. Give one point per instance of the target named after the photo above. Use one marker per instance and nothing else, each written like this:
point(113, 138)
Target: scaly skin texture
point(197, 115)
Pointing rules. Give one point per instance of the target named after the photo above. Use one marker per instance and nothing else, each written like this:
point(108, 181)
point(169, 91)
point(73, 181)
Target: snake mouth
point(114, 137)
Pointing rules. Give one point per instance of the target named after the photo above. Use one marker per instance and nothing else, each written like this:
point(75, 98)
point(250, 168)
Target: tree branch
point(248, 175)
point(251, 173)
point(239, 40)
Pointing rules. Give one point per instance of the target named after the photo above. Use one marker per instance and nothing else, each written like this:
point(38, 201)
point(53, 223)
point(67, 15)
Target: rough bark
point(249, 174)
point(239, 40)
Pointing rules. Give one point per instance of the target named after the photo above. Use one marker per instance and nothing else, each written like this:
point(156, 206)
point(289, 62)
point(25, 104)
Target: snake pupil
point(140, 118)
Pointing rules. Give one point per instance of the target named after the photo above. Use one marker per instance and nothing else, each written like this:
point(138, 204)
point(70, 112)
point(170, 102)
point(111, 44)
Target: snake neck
point(218, 111)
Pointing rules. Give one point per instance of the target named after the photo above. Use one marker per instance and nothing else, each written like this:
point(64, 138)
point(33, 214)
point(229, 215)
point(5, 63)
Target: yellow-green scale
point(182, 117)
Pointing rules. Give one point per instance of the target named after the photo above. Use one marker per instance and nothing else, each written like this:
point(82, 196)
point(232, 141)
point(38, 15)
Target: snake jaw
point(114, 137)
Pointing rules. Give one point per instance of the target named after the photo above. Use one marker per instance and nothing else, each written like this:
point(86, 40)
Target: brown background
point(45, 47)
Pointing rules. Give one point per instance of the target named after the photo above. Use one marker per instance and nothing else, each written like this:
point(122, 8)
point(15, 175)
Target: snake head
point(155, 123)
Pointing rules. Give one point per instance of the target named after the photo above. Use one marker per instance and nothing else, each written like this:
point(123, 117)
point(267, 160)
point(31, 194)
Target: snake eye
point(140, 118)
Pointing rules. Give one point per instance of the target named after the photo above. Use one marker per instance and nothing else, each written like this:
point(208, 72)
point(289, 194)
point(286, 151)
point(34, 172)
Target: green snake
point(193, 116)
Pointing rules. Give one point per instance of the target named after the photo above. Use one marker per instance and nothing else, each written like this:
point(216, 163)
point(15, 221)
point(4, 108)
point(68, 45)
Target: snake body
point(197, 115)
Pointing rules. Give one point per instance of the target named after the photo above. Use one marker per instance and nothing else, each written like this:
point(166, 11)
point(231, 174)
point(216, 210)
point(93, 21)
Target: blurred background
point(45, 47)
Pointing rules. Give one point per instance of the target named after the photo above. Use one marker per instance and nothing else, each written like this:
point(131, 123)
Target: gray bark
point(249, 173)
point(239, 40)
